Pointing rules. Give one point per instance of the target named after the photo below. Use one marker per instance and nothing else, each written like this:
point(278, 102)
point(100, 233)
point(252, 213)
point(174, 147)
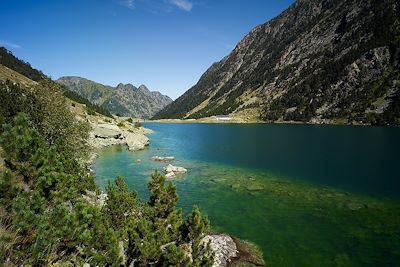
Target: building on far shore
point(222, 118)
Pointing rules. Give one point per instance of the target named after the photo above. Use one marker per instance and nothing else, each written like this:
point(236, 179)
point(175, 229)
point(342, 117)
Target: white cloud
point(156, 6)
point(128, 3)
point(9, 44)
point(182, 4)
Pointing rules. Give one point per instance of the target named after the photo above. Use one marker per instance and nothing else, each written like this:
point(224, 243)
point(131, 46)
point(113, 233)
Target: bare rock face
point(318, 60)
point(224, 248)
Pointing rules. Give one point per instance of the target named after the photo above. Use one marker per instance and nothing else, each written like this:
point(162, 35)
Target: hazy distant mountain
point(125, 99)
point(320, 60)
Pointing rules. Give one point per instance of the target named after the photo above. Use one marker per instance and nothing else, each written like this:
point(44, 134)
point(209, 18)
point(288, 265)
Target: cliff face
point(317, 61)
point(125, 99)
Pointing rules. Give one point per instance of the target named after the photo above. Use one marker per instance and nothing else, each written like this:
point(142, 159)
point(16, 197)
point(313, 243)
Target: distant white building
point(223, 118)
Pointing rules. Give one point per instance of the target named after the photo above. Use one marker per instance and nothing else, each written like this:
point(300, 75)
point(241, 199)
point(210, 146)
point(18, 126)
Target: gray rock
point(104, 135)
point(136, 141)
point(171, 168)
point(162, 159)
point(170, 175)
point(224, 248)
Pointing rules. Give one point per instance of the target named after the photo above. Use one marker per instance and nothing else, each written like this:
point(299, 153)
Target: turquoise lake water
point(306, 195)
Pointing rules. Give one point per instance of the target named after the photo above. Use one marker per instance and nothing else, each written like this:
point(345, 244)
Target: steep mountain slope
point(92, 91)
point(330, 60)
point(125, 99)
point(23, 68)
point(9, 74)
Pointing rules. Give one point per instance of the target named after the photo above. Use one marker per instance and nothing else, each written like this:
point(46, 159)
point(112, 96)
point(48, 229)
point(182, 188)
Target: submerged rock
point(162, 159)
point(254, 187)
point(235, 187)
point(355, 206)
point(248, 255)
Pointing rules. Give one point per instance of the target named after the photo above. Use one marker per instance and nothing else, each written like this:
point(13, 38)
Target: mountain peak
point(126, 86)
point(143, 88)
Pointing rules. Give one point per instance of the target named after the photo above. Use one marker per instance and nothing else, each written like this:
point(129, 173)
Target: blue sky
point(164, 44)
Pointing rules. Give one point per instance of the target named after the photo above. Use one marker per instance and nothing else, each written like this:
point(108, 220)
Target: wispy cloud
point(182, 4)
point(9, 44)
point(128, 3)
point(157, 6)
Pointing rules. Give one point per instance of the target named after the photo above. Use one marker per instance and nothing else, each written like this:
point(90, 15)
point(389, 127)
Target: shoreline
point(208, 121)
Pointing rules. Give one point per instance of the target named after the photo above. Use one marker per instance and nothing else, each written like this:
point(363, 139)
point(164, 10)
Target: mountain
point(125, 99)
point(319, 61)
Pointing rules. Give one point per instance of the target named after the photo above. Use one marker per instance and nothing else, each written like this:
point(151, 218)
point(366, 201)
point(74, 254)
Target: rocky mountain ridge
point(124, 99)
point(319, 61)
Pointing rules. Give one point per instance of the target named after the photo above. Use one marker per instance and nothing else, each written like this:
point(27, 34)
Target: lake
point(307, 195)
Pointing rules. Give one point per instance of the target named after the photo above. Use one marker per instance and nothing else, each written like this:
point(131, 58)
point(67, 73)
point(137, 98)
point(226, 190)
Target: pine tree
point(197, 227)
point(163, 198)
point(120, 203)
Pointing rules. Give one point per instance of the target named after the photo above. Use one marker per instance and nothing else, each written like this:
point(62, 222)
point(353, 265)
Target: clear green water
point(306, 195)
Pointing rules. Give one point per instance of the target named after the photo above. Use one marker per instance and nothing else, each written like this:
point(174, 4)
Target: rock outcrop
point(104, 135)
point(98, 200)
point(224, 249)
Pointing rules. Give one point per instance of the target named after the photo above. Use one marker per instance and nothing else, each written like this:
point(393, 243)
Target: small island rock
point(171, 168)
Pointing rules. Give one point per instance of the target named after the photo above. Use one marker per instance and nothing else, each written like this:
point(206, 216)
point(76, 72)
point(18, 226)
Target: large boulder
point(107, 131)
point(224, 248)
point(136, 141)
